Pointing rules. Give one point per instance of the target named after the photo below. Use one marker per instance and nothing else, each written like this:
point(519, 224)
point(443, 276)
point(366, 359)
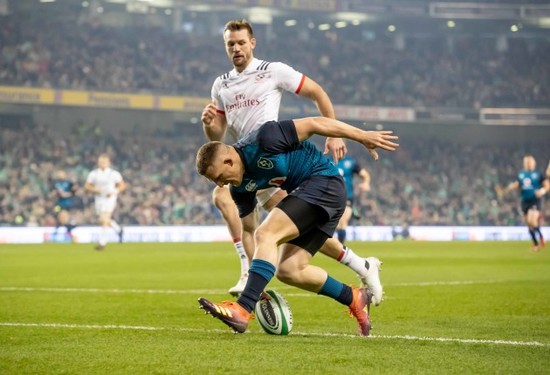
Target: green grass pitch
point(450, 308)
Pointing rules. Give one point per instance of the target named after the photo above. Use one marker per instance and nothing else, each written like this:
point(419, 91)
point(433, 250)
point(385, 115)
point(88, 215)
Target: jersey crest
point(262, 77)
point(265, 163)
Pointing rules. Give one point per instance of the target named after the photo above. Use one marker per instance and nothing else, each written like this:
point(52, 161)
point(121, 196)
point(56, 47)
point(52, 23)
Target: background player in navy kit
point(532, 186)
point(349, 168)
point(64, 191)
point(278, 155)
point(242, 101)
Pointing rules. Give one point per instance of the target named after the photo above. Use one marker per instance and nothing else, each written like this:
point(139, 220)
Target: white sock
point(103, 235)
point(354, 261)
point(242, 256)
point(115, 226)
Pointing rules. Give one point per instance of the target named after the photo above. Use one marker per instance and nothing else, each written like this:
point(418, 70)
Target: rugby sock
point(341, 234)
point(353, 261)
point(537, 230)
point(259, 275)
point(115, 225)
point(532, 232)
point(242, 255)
point(336, 290)
point(103, 235)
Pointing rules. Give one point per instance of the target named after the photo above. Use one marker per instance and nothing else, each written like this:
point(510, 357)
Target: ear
point(228, 161)
point(253, 42)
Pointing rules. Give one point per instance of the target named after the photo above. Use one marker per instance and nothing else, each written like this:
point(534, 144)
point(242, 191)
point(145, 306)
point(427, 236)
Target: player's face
point(222, 171)
point(239, 47)
point(103, 162)
point(529, 163)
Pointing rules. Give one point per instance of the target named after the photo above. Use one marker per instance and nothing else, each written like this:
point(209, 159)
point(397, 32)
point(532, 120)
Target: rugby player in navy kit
point(278, 154)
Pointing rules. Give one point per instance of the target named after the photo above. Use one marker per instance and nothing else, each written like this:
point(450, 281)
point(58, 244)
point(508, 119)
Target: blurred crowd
point(426, 182)
point(162, 185)
point(355, 66)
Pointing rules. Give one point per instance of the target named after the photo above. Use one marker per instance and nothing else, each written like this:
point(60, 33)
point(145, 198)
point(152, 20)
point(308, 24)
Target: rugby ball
point(273, 313)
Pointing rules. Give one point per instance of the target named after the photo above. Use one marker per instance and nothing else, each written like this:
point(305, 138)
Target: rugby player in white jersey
point(105, 183)
point(244, 99)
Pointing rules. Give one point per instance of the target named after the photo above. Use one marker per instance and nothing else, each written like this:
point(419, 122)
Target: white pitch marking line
point(385, 337)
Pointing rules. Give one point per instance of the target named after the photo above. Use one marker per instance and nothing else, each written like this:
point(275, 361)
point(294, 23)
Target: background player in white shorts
point(105, 183)
point(244, 99)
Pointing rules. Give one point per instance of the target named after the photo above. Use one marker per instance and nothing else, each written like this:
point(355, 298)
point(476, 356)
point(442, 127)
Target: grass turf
point(453, 308)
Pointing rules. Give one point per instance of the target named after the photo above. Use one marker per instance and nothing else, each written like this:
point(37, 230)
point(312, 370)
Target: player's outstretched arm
point(306, 127)
point(336, 147)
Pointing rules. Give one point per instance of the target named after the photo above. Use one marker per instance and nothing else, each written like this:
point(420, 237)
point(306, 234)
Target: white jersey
point(105, 180)
point(251, 98)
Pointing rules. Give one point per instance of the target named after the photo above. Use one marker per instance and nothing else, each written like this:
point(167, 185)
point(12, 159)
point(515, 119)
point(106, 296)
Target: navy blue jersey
point(529, 182)
point(273, 156)
point(348, 167)
point(64, 186)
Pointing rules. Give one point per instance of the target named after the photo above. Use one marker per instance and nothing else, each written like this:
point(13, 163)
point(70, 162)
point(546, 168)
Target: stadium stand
point(430, 181)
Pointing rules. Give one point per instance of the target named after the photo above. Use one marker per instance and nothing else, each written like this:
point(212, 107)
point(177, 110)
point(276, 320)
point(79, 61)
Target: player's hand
point(379, 139)
point(364, 186)
point(336, 147)
point(208, 113)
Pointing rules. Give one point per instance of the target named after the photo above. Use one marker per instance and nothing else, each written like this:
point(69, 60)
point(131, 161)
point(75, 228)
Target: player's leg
point(367, 269)
point(244, 247)
point(343, 224)
point(105, 223)
point(532, 218)
point(294, 269)
point(536, 221)
point(293, 216)
point(275, 229)
point(119, 229)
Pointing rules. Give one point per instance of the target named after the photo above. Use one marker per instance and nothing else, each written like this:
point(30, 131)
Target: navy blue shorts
point(315, 207)
point(529, 204)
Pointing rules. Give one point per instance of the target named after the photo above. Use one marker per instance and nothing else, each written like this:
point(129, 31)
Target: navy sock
point(537, 230)
point(342, 235)
point(533, 236)
point(336, 290)
point(259, 275)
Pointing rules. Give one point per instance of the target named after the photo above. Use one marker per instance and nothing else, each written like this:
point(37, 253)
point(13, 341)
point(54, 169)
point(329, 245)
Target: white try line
point(223, 291)
point(304, 334)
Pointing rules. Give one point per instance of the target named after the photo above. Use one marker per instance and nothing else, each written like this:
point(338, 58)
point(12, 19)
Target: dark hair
point(206, 154)
point(236, 25)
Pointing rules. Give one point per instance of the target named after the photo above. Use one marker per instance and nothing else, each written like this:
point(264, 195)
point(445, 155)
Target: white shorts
point(263, 196)
point(105, 205)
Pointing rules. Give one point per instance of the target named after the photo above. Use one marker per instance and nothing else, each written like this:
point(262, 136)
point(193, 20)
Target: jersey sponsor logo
point(265, 163)
point(251, 186)
point(277, 181)
point(241, 102)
